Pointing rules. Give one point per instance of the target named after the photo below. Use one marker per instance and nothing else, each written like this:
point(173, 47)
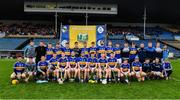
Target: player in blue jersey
point(49, 52)
point(146, 67)
point(125, 51)
point(63, 67)
point(102, 64)
point(93, 49)
point(67, 50)
point(157, 69)
point(52, 67)
point(112, 68)
point(85, 50)
point(19, 69)
point(92, 63)
point(165, 52)
point(72, 63)
point(101, 49)
point(83, 65)
point(167, 69)
point(58, 50)
point(42, 68)
point(132, 52)
point(117, 51)
point(137, 70)
point(125, 71)
point(150, 51)
point(109, 49)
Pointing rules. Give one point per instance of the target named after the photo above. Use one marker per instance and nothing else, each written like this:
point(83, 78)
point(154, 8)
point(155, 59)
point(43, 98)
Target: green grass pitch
point(159, 89)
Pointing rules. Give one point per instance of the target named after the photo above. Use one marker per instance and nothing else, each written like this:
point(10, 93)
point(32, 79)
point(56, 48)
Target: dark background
point(158, 11)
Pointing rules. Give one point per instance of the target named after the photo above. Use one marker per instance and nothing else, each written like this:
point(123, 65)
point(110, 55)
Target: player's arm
point(140, 67)
point(115, 66)
point(133, 67)
point(39, 69)
point(14, 68)
point(107, 66)
point(96, 65)
point(67, 64)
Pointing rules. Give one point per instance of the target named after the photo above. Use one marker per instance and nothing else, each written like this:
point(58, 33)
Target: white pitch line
point(176, 79)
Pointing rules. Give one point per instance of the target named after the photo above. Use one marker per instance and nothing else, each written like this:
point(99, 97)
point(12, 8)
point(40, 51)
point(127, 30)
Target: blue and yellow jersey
point(49, 53)
point(42, 66)
point(93, 50)
point(67, 52)
point(19, 67)
point(102, 62)
point(132, 53)
point(72, 61)
point(86, 52)
point(53, 62)
point(92, 62)
point(125, 67)
point(109, 50)
point(112, 62)
point(82, 61)
point(58, 51)
point(101, 50)
point(63, 62)
point(117, 52)
point(136, 66)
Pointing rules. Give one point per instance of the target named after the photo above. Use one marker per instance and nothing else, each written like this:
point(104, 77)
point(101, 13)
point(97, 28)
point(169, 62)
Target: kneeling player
point(112, 68)
point(72, 65)
point(52, 68)
point(125, 71)
point(31, 68)
point(84, 70)
point(63, 67)
point(102, 64)
point(19, 70)
point(147, 68)
point(137, 70)
point(42, 68)
point(92, 63)
point(157, 69)
point(167, 69)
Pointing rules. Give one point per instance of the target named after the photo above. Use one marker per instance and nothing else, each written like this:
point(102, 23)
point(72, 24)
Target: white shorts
point(125, 73)
point(119, 61)
point(33, 59)
point(72, 69)
point(157, 73)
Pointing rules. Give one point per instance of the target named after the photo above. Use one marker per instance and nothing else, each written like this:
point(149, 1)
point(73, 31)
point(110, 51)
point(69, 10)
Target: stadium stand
point(10, 43)
point(26, 29)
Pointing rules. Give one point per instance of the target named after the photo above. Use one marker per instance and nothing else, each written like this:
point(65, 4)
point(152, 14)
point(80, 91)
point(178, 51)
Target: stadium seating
point(53, 41)
point(11, 43)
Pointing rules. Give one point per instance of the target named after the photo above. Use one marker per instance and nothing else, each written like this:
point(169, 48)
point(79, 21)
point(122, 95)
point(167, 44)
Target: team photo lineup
point(117, 63)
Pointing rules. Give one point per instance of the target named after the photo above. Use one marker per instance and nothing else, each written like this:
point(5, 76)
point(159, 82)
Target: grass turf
point(159, 89)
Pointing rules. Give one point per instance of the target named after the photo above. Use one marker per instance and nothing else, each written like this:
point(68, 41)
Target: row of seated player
point(90, 69)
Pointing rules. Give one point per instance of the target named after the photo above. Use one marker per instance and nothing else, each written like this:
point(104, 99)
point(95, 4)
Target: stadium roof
point(161, 11)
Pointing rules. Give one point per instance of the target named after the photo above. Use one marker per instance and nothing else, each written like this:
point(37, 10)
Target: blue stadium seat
point(10, 43)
